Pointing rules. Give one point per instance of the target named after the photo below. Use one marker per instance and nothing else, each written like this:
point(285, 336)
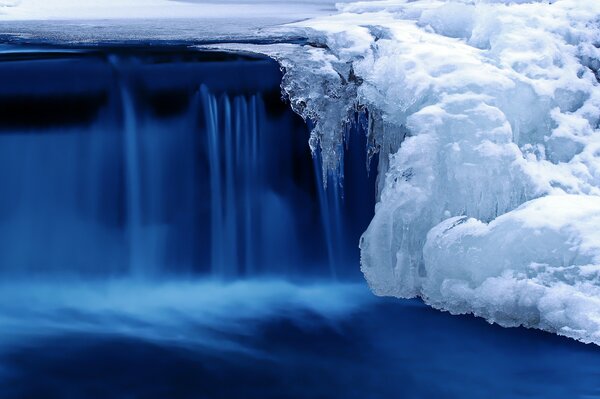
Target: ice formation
point(486, 117)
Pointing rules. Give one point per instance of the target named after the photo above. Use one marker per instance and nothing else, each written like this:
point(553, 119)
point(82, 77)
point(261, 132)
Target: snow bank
point(486, 117)
point(537, 266)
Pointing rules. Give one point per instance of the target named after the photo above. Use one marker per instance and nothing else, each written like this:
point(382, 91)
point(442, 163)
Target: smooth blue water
point(164, 233)
point(351, 345)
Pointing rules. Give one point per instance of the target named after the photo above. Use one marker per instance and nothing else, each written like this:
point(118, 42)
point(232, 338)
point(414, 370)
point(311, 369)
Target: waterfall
point(132, 184)
point(331, 220)
point(166, 168)
point(233, 126)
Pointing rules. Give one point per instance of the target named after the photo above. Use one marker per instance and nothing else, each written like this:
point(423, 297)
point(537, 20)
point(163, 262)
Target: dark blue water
point(164, 233)
point(385, 350)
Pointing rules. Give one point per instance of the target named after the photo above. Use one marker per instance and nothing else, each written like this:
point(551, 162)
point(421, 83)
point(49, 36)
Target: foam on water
point(190, 313)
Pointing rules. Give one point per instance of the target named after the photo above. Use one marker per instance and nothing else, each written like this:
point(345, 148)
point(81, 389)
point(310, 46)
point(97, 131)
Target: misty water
point(165, 232)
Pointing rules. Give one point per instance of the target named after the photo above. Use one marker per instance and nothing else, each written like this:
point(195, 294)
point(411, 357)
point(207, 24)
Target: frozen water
point(500, 105)
point(486, 117)
point(537, 266)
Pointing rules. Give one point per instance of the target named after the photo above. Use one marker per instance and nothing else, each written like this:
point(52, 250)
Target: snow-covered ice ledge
point(488, 112)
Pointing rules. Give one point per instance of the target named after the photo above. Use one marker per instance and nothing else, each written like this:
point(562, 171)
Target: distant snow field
point(85, 21)
point(162, 9)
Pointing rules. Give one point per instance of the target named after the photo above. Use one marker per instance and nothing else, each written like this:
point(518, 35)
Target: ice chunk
point(537, 266)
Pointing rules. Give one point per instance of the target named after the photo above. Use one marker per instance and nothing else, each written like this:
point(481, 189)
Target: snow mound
point(486, 116)
point(537, 266)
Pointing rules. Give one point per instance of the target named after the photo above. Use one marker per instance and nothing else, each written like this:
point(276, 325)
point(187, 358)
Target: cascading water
point(158, 163)
point(232, 127)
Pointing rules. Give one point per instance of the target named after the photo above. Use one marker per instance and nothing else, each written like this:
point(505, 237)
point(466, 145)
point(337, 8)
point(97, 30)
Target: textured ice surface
point(500, 107)
point(537, 266)
point(486, 116)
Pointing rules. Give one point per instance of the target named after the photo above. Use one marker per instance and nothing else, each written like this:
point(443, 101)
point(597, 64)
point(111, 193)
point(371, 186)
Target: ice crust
point(486, 117)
